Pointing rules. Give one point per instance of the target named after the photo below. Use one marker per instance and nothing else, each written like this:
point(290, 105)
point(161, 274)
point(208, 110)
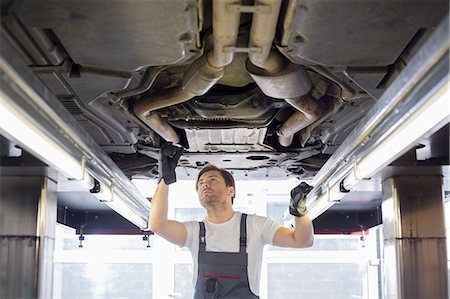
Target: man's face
point(212, 190)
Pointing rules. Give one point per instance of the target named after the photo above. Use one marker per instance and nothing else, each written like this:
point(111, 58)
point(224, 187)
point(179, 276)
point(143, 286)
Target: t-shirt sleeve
point(190, 229)
point(268, 228)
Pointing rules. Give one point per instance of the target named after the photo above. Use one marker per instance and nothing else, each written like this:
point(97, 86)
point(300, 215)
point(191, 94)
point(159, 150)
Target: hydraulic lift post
point(415, 253)
point(28, 206)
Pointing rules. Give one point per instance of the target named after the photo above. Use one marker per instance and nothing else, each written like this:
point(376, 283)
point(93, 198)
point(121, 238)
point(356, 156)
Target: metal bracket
point(147, 238)
point(96, 188)
point(265, 9)
point(342, 187)
point(112, 193)
point(231, 49)
point(81, 239)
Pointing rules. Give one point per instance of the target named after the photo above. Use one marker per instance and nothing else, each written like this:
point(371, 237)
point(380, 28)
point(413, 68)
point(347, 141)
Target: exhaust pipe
point(262, 33)
point(198, 79)
point(279, 78)
point(201, 75)
point(309, 110)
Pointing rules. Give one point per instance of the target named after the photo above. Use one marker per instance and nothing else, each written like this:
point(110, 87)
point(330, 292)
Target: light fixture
point(118, 205)
point(320, 205)
point(114, 198)
point(36, 120)
point(334, 193)
point(16, 126)
point(412, 108)
point(103, 192)
point(317, 207)
point(421, 123)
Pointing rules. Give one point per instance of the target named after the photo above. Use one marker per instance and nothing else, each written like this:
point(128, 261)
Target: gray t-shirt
point(224, 237)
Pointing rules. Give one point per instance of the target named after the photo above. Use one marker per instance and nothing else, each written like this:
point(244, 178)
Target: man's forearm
point(304, 231)
point(159, 207)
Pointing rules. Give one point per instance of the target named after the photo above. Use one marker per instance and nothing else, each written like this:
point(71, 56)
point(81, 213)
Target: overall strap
point(202, 238)
point(242, 237)
point(243, 233)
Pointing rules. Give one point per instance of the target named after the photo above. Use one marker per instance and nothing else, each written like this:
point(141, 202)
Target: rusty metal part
point(235, 73)
point(347, 92)
point(289, 82)
point(309, 110)
point(198, 79)
point(200, 76)
point(161, 127)
point(147, 81)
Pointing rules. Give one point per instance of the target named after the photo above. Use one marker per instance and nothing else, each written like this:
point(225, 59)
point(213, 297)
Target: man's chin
point(207, 200)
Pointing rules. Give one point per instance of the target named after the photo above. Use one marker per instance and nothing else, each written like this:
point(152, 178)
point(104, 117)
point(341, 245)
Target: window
point(183, 281)
point(189, 214)
point(337, 266)
point(103, 280)
point(106, 266)
point(315, 280)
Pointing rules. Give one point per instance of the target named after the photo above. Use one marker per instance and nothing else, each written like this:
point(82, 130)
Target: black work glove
point(297, 206)
point(168, 160)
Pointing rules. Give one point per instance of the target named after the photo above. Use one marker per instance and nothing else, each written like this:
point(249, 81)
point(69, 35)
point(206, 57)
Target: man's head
point(211, 176)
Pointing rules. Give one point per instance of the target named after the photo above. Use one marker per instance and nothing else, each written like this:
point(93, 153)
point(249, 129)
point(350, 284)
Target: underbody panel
point(265, 89)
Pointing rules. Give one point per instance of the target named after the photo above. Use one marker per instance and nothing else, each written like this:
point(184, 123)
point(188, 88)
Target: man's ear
point(230, 191)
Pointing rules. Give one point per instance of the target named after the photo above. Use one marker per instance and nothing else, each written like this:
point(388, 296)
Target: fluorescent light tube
point(321, 205)
point(115, 200)
point(423, 121)
point(25, 102)
point(16, 126)
point(105, 194)
point(118, 205)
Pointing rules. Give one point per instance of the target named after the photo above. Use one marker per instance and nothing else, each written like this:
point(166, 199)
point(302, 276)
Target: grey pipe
point(201, 75)
point(285, 80)
point(278, 78)
point(309, 110)
point(262, 33)
point(198, 79)
point(291, 83)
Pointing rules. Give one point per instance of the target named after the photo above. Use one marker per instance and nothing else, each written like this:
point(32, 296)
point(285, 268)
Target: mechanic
point(226, 246)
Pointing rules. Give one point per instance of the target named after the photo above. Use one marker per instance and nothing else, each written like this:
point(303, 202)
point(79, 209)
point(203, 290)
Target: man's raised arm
point(171, 230)
point(303, 233)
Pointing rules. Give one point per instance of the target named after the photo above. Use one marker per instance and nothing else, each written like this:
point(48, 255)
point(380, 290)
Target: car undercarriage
point(267, 89)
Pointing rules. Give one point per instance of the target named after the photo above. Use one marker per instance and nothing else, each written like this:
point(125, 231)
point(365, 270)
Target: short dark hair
point(227, 176)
